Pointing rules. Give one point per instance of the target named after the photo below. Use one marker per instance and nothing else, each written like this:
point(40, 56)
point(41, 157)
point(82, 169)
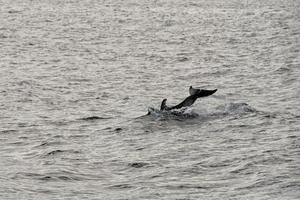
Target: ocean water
point(77, 78)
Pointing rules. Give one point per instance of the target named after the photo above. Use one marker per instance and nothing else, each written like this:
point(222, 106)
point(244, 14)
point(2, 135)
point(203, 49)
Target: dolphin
point(190, 100)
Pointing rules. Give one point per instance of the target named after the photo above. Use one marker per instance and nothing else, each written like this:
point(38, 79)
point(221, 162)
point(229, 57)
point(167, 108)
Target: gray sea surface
point(77, 78)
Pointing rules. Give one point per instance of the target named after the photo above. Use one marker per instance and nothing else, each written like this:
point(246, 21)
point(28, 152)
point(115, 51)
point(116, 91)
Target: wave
point(176, 114)
point(93, 118)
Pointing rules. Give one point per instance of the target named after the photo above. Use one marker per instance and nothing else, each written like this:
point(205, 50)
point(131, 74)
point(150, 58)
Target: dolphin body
point(195, 93)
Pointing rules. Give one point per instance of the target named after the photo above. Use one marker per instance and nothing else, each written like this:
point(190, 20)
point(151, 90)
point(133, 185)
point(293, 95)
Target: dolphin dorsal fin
point(163, 105)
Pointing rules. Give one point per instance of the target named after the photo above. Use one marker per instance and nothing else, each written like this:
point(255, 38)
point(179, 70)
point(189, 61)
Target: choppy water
point(77, 78)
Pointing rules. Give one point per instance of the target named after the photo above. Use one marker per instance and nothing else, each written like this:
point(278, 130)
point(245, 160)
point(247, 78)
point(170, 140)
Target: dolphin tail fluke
point(205, 93)
point(193, 91)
